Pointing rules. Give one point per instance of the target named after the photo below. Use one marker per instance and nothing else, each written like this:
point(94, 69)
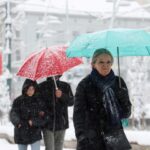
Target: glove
point(82, 139)
point(122, 94)
point(123, 98)
point(41, 114)
point(82, 143)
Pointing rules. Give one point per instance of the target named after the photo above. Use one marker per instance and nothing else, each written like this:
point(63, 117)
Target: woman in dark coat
point(27, 116)
point(100, 103)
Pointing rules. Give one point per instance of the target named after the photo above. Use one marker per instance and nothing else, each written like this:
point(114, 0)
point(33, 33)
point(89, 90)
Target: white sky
point(103, 8)
point(84, 5)
point(91, 5)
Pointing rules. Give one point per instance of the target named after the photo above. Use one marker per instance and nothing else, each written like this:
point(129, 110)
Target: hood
point(27, 84)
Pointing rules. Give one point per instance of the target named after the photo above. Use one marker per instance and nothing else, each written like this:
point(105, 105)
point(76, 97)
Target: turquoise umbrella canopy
point(129, 42)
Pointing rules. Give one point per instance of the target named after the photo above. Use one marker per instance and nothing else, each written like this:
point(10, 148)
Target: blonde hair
point(99, 52)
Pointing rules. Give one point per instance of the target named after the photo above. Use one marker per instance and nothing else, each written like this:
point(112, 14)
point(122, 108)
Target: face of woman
point(103, 64)
point(31, 91)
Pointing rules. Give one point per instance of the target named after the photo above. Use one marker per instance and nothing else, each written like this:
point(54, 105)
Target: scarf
point(109, 100)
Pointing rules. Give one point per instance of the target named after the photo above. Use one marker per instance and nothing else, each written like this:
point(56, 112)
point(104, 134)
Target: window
point(18, 55)
point(75, 20)
point(37, 36)
point(17, 34)
point(75, 33)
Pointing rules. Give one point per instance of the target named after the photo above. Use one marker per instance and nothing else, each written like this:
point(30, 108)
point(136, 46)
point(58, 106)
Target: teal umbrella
point(129, 42)
point(121, 42)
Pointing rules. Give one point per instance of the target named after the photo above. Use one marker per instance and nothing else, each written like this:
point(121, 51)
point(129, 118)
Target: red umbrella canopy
point(48, 62)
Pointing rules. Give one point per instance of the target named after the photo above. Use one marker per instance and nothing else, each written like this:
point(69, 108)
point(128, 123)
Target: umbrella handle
point(55, 83)
point(118, 67)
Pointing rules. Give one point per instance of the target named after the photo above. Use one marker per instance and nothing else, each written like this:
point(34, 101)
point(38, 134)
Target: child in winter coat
point(27, 115)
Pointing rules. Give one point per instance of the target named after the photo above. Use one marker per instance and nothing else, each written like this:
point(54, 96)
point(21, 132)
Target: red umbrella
point(50, 61)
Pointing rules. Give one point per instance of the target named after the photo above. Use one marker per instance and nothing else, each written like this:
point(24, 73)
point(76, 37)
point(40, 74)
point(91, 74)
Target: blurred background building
point(27, 26)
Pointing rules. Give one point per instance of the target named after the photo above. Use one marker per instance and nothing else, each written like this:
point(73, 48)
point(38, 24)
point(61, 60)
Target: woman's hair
point(99, 52)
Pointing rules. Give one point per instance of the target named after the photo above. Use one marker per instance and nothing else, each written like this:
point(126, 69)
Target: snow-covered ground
point(7, 146)
point(8, 129)
point(141, 137)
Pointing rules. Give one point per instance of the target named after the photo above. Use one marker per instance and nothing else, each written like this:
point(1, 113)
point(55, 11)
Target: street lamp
point(8, 42)
point(115, 9)
point(67, 21)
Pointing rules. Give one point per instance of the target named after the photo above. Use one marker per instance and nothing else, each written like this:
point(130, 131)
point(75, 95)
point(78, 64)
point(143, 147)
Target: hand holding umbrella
point(58, 93)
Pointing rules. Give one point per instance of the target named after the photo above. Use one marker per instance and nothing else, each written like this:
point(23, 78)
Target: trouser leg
point(59, 139)
point(35, 145)
point(22, 147)
point(48, 139)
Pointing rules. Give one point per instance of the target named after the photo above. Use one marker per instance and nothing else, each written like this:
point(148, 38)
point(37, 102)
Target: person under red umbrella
point(25, 116)
point(57, 102)
point(52, 62)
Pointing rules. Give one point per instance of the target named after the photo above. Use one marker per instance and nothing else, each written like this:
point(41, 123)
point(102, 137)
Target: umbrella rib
point(24, 64)
point(37, 64)
point(148, 50)
point(55, 53)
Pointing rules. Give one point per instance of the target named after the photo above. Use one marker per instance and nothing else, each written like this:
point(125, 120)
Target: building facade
point(39, 25)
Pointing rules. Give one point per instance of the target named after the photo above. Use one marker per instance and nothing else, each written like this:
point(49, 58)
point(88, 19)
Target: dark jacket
point(89, 115)
point(25, 108)
point(57, 108)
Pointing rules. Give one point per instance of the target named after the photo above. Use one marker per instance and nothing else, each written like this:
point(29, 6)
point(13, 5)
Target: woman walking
point(100, 104)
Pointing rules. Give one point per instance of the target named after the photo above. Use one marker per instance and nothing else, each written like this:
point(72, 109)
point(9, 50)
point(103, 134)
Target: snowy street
point(7, 146)
point(135, 136)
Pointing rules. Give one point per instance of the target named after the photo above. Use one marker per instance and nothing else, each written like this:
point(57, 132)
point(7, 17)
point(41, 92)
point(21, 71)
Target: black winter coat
point(25, 108)
point(89, 115)
point(57, 108)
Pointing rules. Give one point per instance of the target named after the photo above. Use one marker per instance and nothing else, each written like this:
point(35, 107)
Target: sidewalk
point(71, 144)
